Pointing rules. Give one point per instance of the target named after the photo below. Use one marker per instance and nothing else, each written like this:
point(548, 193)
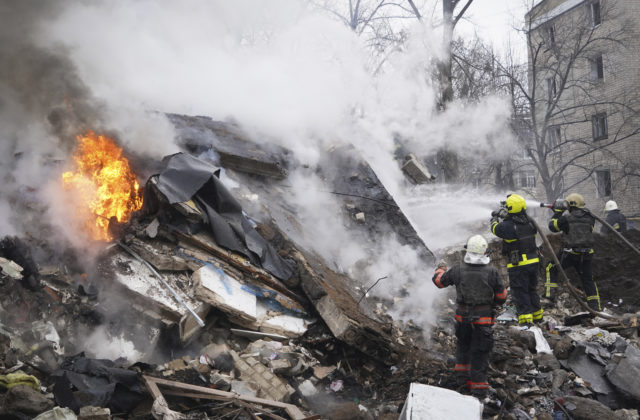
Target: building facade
point(584, 93)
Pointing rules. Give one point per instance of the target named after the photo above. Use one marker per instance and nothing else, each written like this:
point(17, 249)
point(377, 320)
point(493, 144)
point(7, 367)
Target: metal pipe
point(176, 296)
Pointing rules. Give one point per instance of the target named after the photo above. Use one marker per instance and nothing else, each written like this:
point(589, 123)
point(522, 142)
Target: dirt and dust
point(616, 270)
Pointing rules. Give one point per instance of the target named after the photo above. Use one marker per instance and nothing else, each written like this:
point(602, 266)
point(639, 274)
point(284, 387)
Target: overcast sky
point(495, 20)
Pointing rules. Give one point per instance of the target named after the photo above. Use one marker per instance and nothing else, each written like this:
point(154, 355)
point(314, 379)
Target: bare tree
point(378, 21)
point(449, 22)
point(574, 118)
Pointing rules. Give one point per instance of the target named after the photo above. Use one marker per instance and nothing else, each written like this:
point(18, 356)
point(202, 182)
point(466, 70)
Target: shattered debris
point(285, 333)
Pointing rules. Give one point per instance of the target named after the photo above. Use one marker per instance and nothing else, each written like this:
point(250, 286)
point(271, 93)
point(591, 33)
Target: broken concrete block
point(94, 413)
point(625, 376)
point(430, 402)
point(562, 348)
point(547, 362)
point(280, 366)
point(245, 388)
point(57, 413)
point(159, 255)
point(152, 228)
point(214, 286)
point(321, 372)
point(137, 280)
point(188, 327)
point(307, 389)
point(587, 409)
point(270, 386)
point(416, 171)
point(178, 365)
point(283, 324)
point(255, 335)
point(11, 269)
point(221, 381)
point(26, 400)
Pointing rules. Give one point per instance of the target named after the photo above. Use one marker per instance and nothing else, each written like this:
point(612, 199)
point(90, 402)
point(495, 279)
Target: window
point(603, 183)
point(594, 13)
point(597, 68)
point(551, 35)
point(599, 126)
point(554, 136)
point(551, 88)
point(524, 179)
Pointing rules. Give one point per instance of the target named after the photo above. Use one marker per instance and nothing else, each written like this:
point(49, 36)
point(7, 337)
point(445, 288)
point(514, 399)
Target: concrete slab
point(416, 171)
point(217, 288)
point(214, 286)
point(136, 279)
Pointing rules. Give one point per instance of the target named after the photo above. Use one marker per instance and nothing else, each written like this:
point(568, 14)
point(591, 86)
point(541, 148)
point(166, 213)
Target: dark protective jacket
point(519, 239)
point(577, 228)
point(478, 289)
point(617, 220)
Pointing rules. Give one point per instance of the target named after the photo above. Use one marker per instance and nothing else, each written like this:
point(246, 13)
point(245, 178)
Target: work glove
point(560, 205)
point(439, 272)
point(438, 275)
point(500, 213)
point(443, 265)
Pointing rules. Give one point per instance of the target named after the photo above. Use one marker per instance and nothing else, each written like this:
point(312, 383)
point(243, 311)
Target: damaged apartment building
point(584, 84)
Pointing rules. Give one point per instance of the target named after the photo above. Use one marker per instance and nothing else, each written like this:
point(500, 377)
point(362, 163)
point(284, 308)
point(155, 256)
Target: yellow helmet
point(575, 200)
point(515, 203)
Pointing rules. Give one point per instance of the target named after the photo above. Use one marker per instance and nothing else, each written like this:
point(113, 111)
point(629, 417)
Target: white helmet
point(610, 205)
point(476, 249)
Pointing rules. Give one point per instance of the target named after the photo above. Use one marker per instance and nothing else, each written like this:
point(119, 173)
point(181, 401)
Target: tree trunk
point(446, 87)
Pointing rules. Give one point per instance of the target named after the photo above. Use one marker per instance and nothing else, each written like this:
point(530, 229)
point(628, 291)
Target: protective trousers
point(472, 356)
point(523, 282)
point(581, 262)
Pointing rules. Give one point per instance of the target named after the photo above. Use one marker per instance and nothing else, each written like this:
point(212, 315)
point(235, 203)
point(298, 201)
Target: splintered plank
point(194, 391)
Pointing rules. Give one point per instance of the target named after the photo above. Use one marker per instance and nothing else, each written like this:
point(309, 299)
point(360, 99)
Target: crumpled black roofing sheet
point(186, 177)
point(99, 383)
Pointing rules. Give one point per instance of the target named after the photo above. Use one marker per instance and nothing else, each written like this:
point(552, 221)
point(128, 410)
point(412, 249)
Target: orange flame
point(105, 184)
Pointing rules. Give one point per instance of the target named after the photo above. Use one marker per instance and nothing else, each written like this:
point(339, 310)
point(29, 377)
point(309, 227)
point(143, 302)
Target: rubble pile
point(571, 365)
point(194, 300)
point(207, 305)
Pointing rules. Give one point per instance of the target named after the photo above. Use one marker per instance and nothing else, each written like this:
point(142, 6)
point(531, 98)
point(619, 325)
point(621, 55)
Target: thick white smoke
point(275, 66)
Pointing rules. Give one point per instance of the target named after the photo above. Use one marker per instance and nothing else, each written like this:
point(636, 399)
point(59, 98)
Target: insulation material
point(431, 402)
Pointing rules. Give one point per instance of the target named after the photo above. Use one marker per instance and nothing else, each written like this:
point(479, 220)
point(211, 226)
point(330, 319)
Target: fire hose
point(611, 228)
point(175, 295)
point(625, 240)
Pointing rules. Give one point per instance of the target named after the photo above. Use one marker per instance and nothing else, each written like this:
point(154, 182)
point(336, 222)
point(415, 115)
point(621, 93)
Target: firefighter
point(518, 235)
point(614, 218)
point(577, 244)
point(478, 289)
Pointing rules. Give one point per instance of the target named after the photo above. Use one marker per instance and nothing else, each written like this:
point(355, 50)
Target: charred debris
point(231, 316)
point(211, 304)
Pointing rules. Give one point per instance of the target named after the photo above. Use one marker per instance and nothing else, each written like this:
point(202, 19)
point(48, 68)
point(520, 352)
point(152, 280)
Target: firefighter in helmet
point(577, 246)
point(478, 289)
point(614, 218)
point(518, 235)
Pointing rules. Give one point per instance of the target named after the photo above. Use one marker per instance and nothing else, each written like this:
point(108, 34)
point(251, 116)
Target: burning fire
point(105, 184)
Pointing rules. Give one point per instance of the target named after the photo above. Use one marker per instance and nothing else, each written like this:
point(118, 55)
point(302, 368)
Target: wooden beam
point(200, 392)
